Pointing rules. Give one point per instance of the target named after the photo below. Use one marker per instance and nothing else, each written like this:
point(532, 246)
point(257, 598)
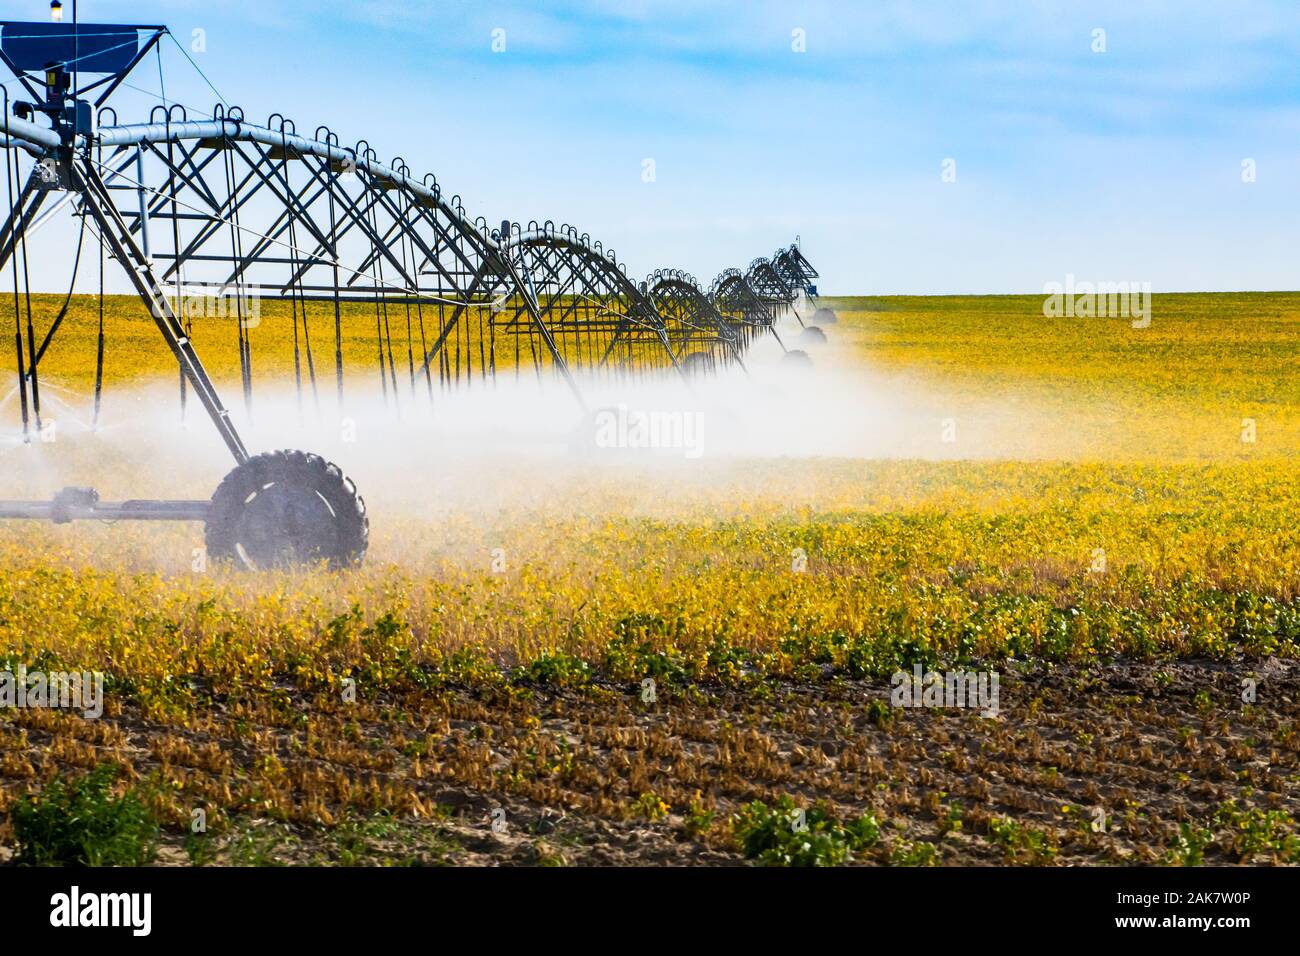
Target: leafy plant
point(1189, 846)
point(918, 853)
point(80, 823)
point(698, 820)
point(784, 835)
point(557, 669)
point(1022, 843)
point(649, 805)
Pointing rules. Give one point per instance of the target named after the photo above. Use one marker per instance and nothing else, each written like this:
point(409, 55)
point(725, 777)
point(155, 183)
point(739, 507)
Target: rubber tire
point(342, 538)
point(812, 335)
point(584, 438)
point(797, 360)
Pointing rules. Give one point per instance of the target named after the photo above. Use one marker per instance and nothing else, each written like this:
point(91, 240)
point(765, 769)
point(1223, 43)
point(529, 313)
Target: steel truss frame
point(229, 205)
point(702, 337)
point(605, 324)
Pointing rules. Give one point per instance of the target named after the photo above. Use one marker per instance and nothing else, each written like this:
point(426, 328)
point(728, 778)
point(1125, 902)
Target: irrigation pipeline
point(231, 208)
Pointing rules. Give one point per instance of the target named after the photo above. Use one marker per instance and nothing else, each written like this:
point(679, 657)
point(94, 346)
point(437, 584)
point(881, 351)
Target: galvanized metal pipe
point(135, 134)
point(26, 130)
point(105, 511)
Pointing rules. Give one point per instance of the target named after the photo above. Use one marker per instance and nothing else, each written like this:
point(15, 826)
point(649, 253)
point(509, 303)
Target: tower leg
point(117, 234)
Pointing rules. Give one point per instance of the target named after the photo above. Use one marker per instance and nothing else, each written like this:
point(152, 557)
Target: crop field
point(554, 659)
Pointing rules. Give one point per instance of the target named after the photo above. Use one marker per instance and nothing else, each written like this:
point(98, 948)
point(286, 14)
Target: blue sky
point(1116, 165)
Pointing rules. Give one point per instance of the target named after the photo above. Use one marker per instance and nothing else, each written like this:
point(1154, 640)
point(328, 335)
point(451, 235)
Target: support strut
point(140, 270)
point(83, 504)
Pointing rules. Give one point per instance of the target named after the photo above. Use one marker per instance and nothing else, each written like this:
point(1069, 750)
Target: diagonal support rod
point(139, 269)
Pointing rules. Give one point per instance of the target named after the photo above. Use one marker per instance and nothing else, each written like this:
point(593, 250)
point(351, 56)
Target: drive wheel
point(286, 509)
point(797, 360)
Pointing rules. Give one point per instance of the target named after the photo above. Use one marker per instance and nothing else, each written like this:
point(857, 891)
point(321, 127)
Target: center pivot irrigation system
point(344, 241)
